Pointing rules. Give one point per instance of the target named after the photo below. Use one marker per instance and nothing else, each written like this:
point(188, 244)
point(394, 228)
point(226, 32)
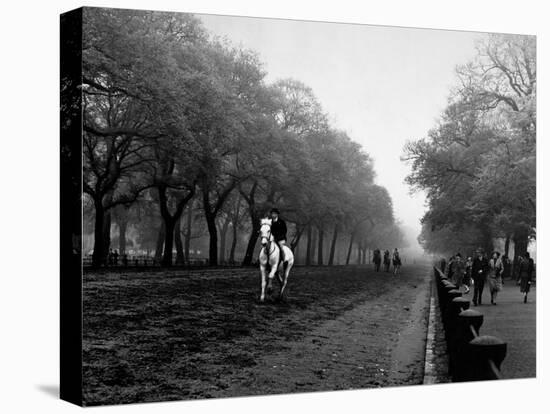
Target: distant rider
point(396, 259)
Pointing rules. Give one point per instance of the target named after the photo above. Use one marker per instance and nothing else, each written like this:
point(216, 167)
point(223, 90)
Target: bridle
point(267, 247)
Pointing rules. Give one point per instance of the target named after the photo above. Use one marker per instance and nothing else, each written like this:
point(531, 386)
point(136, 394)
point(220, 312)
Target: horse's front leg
point(271, 276)
point(263, 276)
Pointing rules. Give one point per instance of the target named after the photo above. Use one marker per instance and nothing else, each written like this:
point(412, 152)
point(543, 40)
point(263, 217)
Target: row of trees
point(177, 121)
point(478, 165)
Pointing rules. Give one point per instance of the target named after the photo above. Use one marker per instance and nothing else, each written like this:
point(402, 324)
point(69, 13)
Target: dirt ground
point(171, 335)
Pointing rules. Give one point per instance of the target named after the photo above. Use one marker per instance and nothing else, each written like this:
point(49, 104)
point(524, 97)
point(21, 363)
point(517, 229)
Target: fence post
point(486, 354)
point(468, 323)
point(449, 292)
point(456, 306)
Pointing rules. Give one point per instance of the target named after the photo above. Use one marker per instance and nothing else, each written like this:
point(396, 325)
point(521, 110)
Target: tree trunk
point(255, 225)
point(106, 235)
point(254, 215)
point(213, 242)
point(169, 226)
point(180, 257)
point(188, 229)
point(122, 225)
point(309, 244)
point(211, 211)
point(98, 254)
point(294, 243)
point(233, 245)
point(223, 237)
point(314, 235)
point(320, 243)
point(348, 257)
point(333, 245)
point(235, 222)
point(170, 220)
point(160, 242)
point(487, 239)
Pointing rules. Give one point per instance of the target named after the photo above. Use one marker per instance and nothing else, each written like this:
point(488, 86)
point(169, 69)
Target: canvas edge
point(71, 207)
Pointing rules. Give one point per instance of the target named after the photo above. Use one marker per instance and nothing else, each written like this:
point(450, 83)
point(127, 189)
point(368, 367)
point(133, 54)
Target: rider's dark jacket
point(278, 230)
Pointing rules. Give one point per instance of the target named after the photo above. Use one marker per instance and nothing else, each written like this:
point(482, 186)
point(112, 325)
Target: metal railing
point(472, 357)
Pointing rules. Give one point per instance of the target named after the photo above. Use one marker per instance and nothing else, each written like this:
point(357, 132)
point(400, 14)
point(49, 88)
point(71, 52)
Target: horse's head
point(265, 231)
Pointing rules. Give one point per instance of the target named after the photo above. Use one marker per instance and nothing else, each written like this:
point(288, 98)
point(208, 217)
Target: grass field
point(169, 335)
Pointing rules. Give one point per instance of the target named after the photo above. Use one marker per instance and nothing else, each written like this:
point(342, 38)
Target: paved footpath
point(514, 322)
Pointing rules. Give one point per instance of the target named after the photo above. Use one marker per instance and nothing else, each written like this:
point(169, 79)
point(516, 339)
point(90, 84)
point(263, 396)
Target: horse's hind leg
point(287, 268)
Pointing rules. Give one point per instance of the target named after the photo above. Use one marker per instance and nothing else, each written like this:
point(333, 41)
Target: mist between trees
point(186, 147)
point(478, 164)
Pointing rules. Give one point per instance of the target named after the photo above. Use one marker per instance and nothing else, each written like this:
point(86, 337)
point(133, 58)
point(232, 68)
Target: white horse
point(270, 255)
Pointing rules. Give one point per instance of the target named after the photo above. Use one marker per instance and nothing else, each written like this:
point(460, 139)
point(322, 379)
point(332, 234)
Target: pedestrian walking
point(494, 276)
point(480, 266)
point(526, 268)
point(450, 268)
point(458, 269)
point(467, 282)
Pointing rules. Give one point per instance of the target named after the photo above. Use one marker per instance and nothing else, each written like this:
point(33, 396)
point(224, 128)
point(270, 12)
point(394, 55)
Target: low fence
point(472, 357)
point(144, 261)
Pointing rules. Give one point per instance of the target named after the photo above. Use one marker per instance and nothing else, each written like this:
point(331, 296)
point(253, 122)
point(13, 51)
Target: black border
point(71, 207)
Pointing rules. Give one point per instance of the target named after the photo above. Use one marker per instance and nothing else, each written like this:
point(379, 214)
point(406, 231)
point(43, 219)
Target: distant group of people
point(482, 270)
point(113, 256)
point(395, 260)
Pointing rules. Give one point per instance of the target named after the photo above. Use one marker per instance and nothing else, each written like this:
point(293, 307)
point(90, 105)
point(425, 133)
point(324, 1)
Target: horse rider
point(278, 230)
point(387, 260)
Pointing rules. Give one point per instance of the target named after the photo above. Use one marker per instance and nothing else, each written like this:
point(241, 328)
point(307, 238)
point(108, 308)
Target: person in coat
point(526, 268)
point(450, 267)
point(467, 275)
point(459, 267)
point(494, 276)
point(480, 266)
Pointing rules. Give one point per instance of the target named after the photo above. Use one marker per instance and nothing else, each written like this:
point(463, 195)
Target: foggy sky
point(382, 85)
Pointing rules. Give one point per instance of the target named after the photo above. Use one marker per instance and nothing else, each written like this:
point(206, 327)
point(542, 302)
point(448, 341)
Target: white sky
point(382, 85)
